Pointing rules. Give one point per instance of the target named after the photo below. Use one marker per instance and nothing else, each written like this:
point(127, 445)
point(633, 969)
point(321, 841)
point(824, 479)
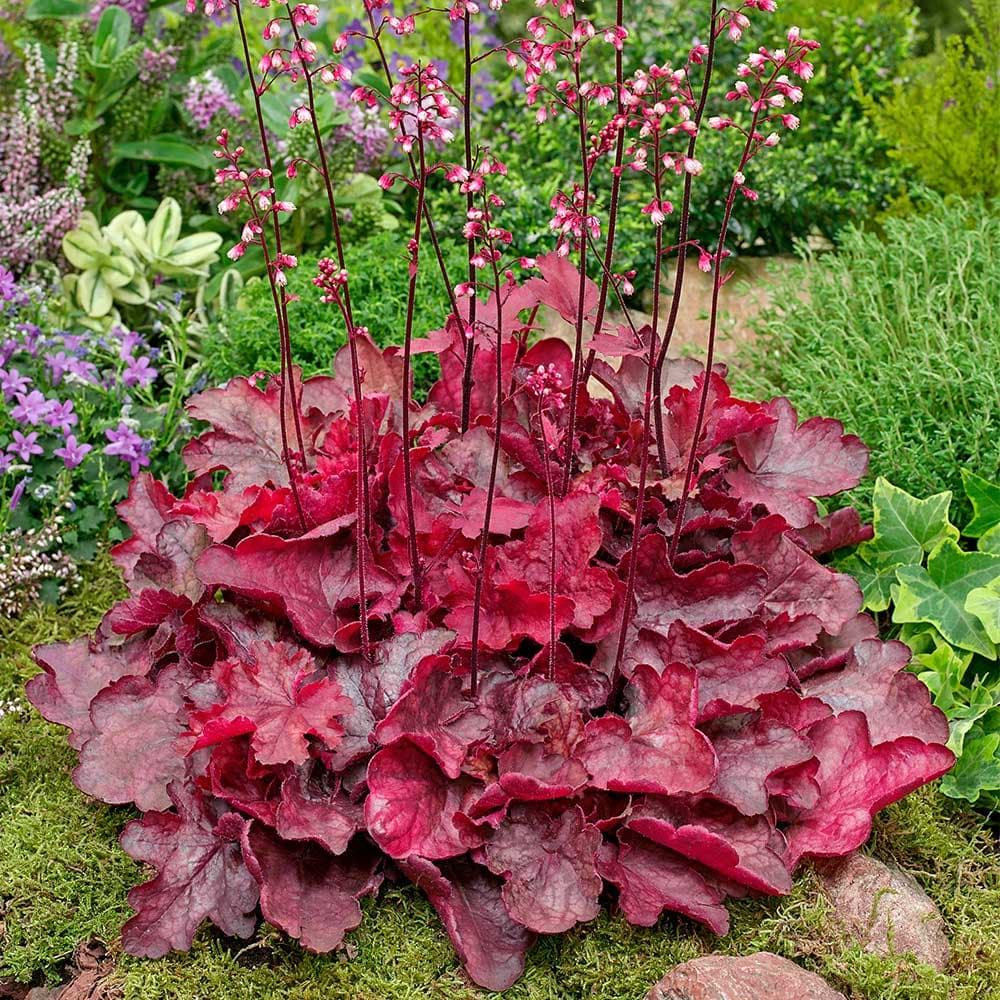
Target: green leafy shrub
point(247, 342)
point(943, 120)
point(899, 338)
point(943, 589)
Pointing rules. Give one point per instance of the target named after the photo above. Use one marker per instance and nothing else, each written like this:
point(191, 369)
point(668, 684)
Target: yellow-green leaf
point(93, 294)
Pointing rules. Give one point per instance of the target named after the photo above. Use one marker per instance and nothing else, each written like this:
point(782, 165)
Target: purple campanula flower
point(6, 461)
point(24, 445)
point(74, 342)
point(32, 334)
point(32, 408)
point(15, 497)
point(62, 417)
point(8, 285)
point(86, 371)
point(128, 446)
point(129, 342)
point(13, 382)
point(139, 372)
point(72, 452)
point(58, 365)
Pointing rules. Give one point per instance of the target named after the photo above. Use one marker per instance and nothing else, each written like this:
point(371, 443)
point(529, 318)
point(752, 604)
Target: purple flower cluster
point(38, 375)
point(207, 97)
point(365, 132)
point(157, 65)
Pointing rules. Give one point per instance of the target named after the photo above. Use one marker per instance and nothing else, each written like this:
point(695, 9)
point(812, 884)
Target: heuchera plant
point(557, 634)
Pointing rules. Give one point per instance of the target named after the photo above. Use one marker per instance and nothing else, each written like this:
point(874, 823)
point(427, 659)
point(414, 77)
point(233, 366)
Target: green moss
point(63, 879)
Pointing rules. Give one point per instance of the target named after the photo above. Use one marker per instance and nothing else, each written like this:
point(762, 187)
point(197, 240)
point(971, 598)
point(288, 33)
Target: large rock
point(756, 977)
point(884, 909)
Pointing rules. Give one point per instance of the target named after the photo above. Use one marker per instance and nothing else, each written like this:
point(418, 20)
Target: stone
point(884, 909)
point(763, 976)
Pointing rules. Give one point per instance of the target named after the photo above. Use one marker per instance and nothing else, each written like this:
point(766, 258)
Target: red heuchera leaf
point(875, 681)
point(310, 809)
point(149, 609)
point(656, 747)
point(310, 894)
point(746, 850)
point(750, 750)
point(236, 778)
point(547, 861)
point(411, 806)
point(715, 593)
point(835, 531)
point(856, 780)
point(148, 507)
point(510, 613)
point(578, 538)
point(76, 672)
point(200, 873)
point(731, 676)
point(489, 942)
point(784, 465)
point(131, 757)
point(433, 714)
point(797, 585)
point(246, 429)
point(651, 879)
point(275, 698)
point(725, 417)
point(559, 287)
point(312, 579)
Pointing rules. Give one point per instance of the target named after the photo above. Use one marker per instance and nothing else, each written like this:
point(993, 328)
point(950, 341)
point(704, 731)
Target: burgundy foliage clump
point(660, 745)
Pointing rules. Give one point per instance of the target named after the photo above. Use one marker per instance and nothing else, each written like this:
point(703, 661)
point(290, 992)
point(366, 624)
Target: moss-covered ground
point(63, 880)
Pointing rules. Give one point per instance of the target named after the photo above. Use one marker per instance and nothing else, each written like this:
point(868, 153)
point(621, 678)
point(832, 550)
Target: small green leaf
point(93, 294)
point(937, 595)
point(39, 10)
point(135, 293)
point(905, 527)
point(984, 603)
point(985, 497)
point(195, 250)
point(117, 271)
point(977, 769)
point(111, 34)
point(875, 581)
point(164, 149)
point(164, 228)
point(82, 249)
point(990, 542)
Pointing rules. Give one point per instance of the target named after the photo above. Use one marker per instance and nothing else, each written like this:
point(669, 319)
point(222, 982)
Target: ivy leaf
point(937, 595)
point(990, 542)
point(905, 527)
point(977, 769)
point(984, 603)
point(875, 580)
point(985, 497)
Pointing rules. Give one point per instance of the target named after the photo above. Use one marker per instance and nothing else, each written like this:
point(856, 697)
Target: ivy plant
point(940, 590)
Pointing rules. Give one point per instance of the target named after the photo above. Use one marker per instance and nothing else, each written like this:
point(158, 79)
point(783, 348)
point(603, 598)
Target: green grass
point(63, 879)
point(900, 339)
